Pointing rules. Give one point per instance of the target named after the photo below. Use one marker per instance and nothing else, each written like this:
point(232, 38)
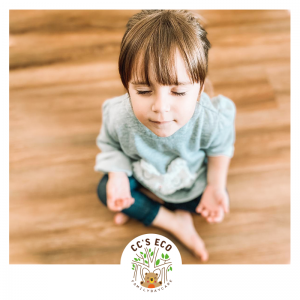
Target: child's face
point(162, 104)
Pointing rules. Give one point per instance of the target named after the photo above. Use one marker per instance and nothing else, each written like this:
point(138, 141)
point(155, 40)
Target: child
point(165, 134)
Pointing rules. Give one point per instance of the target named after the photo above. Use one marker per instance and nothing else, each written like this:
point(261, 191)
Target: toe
point(204, 256)
point(202, 252)
point(120, 218)
point(117, 218)
point(199, 247)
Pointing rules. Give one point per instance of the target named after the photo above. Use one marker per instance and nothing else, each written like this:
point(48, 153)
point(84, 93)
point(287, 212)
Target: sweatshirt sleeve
point(111, 158)
point(223, 135)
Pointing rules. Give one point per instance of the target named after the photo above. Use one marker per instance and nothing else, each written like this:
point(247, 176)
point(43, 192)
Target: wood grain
point(63, 65)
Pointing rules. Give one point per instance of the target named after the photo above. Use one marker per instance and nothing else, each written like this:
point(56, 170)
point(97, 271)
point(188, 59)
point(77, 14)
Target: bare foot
point(187, 234)
point(120, 218)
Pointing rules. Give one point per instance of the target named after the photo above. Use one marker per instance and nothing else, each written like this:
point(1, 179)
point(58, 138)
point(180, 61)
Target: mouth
point(165, 122)
point(161, 125)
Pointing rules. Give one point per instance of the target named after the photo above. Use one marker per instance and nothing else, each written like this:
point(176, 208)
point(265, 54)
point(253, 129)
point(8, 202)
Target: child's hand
point(213, 204)
point(118, 192)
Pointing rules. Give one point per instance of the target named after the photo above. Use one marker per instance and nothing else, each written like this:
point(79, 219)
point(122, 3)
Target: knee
point(101, 189)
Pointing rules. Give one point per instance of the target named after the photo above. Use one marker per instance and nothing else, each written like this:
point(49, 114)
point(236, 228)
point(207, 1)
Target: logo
point(151, 263)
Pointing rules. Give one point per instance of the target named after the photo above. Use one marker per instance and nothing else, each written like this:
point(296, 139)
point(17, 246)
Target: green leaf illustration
point(167, 256)
point(162, 255)
point(146, 261)
point(135, 259)
point(157, 262)
point(171, 268)
point(133, 265)
point(168, 269)
point(139, 259)
point(151, 253)
point(149, 250)
point(144, 255)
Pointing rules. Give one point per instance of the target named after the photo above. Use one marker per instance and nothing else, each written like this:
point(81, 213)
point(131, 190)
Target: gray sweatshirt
point(175, 167)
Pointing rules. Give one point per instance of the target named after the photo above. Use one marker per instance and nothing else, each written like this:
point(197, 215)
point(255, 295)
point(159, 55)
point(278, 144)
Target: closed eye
point(147, 92)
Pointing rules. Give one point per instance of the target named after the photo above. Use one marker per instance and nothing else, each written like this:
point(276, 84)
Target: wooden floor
point(63, 65)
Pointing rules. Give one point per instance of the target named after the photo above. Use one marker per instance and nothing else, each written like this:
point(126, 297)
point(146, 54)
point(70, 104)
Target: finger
point(205, 213)
point(220, 216)
point(225, 204)
point(211, 216)
point(199, 208)
point(109, 203)
point(112, 205)
point(128, 202)
point(213, 213)
point(118, 204)
point(124, 203)
point(131, 200)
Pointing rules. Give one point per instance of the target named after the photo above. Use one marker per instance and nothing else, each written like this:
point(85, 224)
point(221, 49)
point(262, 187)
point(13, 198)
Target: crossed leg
point(178, 222)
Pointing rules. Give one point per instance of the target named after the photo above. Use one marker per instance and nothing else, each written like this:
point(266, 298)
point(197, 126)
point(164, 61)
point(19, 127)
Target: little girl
point(165, 135)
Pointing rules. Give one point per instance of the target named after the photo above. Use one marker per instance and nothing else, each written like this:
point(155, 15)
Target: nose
point(161, 103)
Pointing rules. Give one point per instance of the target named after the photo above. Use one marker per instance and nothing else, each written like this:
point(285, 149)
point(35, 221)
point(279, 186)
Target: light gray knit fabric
point(175, 167)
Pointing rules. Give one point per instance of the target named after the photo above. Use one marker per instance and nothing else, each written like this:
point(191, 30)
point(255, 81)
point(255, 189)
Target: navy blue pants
point(144, 208)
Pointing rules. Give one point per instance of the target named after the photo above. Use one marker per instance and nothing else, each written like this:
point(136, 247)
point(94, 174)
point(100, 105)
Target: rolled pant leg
point(143, 209)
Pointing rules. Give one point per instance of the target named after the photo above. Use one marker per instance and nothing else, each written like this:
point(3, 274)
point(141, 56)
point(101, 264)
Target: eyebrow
point(145, 83)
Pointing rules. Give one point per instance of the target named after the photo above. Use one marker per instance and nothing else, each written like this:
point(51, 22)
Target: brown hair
point(157, 34)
